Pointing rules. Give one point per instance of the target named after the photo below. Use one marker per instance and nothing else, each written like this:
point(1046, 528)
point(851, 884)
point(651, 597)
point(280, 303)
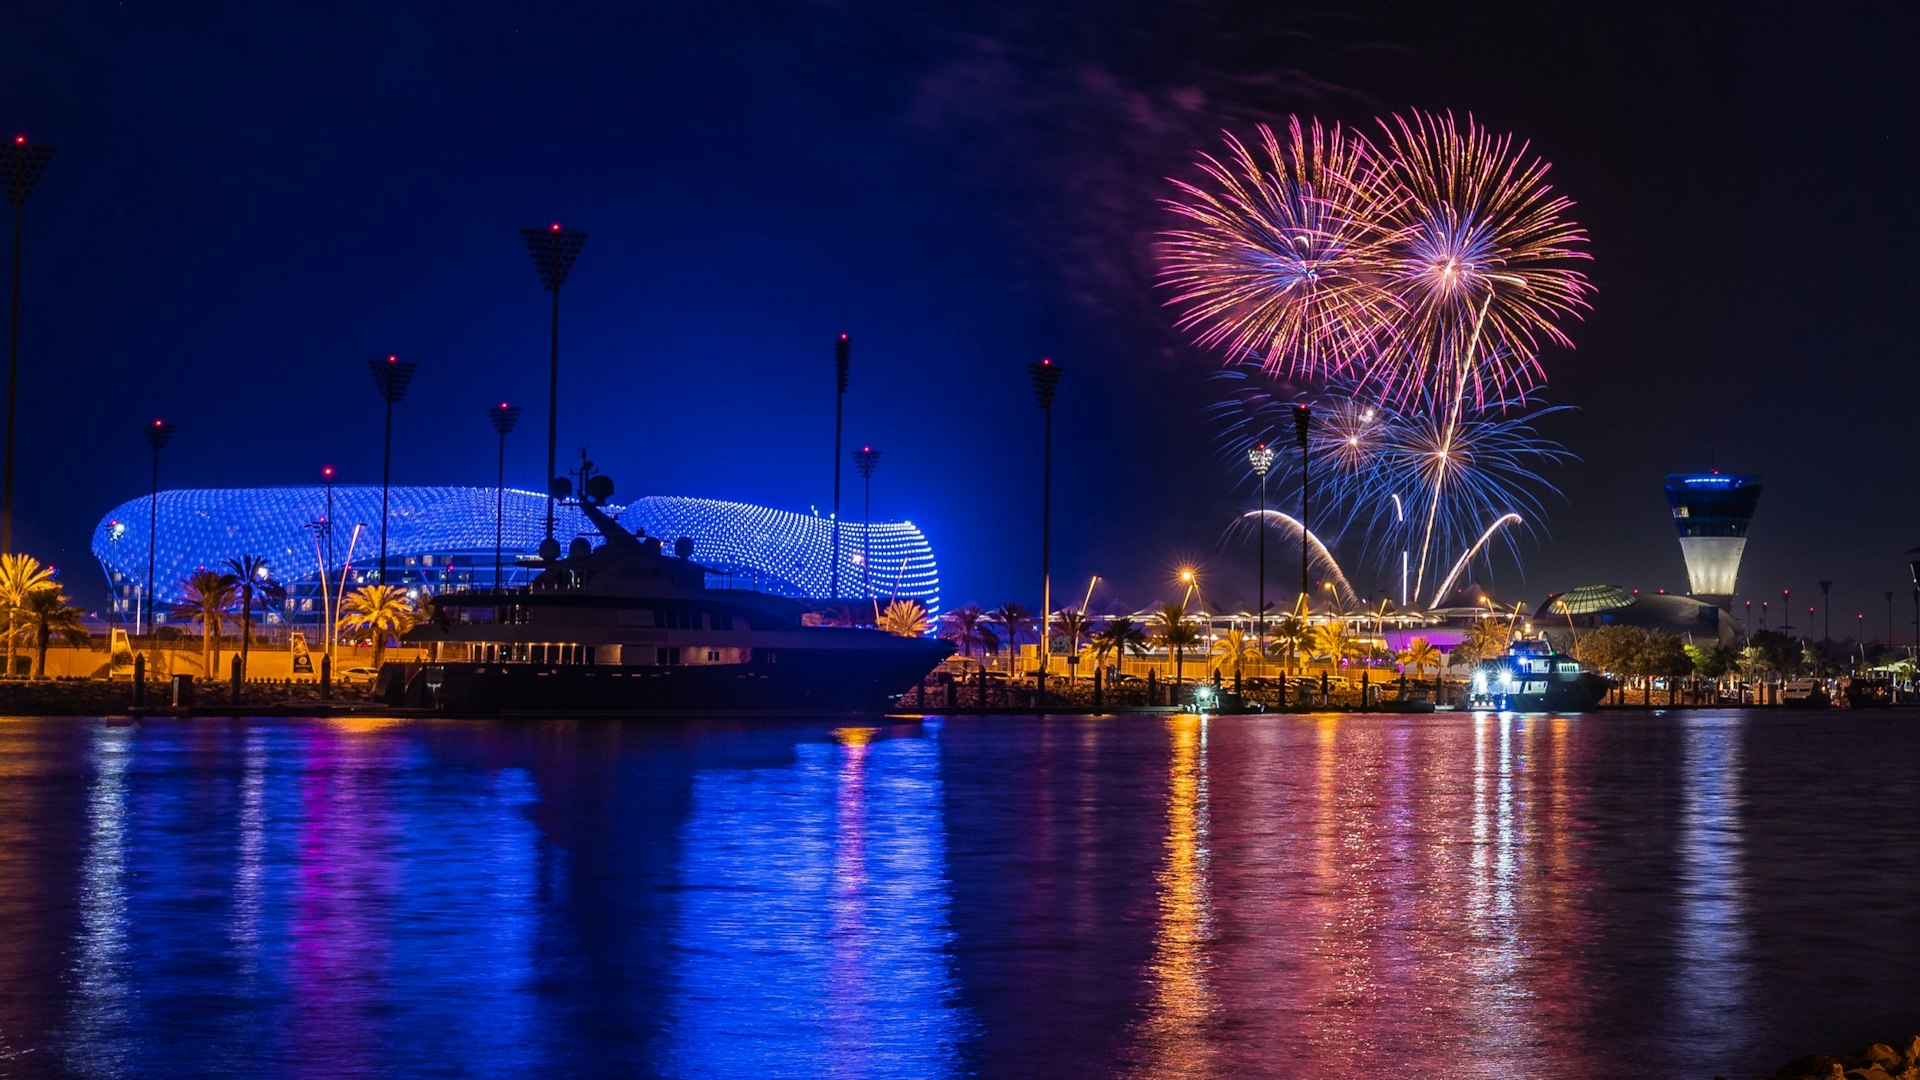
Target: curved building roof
point(759, 547)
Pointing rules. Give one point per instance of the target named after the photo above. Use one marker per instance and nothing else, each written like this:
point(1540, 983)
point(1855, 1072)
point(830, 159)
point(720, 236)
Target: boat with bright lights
point(1531, 677)
point(627, 626)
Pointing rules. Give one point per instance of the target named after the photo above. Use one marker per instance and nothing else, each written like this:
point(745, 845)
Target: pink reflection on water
point(1400, 894)
point(345, 886)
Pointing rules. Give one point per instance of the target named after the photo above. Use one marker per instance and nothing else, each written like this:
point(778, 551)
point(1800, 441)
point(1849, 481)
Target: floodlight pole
point(1046, 380)
point(20, 167)
point(326, 532)
point(1826, 612)
point(842, 350)
point(553, 249)
point(158, 433)
point(1302, 422)
point(391, 376)
point(865, 459)
point(504, 417)
point(1261, 458)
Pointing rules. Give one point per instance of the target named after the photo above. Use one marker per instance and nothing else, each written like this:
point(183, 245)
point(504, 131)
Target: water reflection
point(814, 926)
point(1168, 897)
point(1179, 1000)
point(102, 1012)
point(1711, 980)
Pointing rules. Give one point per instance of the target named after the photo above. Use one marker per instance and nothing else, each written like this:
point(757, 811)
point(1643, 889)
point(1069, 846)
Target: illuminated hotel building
point(1712, 510)
point(442, 538)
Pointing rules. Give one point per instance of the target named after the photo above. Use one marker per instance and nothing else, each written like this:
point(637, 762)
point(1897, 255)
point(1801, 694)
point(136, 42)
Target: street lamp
point(20, 168)
point(390, 377)
point(1763, 613)
point(504, 416)
point(1826, 606)
point(865, 459)
point(1786, 612)
point(1747, 625)
point(842, 358)
point(553, 249)
point(158, 433)
point(1261, 459)
point(1046, 379)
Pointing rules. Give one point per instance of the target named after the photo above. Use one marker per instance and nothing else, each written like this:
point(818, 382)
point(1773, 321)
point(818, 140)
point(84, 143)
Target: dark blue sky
point(251, 200)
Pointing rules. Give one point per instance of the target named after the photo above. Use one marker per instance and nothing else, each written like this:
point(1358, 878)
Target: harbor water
point(1632, 894)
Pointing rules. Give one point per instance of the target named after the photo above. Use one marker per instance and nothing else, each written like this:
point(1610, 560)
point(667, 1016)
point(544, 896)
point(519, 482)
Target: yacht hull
point(825, 680)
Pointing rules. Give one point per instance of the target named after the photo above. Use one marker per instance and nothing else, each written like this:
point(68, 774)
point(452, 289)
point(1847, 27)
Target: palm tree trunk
point(246, 630)
point(40, 666)
point(10, 633)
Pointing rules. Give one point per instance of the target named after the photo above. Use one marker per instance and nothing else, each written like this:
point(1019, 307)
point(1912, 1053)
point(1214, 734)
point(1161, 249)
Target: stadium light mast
point(504, 417)
point(1046, 380)
point(158, 433)
point(865, 459)
point(553, 249)
point(1261, 458)
point(1302, 423)
point(842, 350)
point(20, 167)
point(1826, 612)
point(326, 537)
point(391, 376)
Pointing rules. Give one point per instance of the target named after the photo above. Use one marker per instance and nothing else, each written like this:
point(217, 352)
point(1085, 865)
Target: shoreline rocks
point(1880, 1061)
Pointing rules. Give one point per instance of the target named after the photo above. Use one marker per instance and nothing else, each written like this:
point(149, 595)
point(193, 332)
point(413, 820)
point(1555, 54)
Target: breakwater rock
point(1877, 1062)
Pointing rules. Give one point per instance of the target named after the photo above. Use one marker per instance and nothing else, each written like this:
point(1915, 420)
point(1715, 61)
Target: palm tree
point(1420, 655)
point(206, 596)
point(250, 573)
point(964, 626)
point(20, 577)
point(1176, 633)
point(1075, 627)
point(1288, 633)
point(905, 618)
point(1013, 618)
point(49, 614)
point(1236, 645)
point(1484, 640)
point(383, 610)
point(1334, 640)
point(1119, 636)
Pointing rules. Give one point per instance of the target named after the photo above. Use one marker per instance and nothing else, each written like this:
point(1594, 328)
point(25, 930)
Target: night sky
point(249, 201)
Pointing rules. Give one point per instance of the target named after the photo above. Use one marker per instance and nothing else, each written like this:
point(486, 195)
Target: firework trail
point(1398, 475)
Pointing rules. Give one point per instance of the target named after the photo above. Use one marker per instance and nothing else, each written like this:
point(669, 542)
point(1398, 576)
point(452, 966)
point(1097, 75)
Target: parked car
point(357, 675)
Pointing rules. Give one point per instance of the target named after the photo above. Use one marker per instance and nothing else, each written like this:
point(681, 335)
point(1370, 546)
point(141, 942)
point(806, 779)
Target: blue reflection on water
point(814, 924)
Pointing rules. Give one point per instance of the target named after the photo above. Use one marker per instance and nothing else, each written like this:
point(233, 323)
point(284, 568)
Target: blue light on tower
point(1711, 512)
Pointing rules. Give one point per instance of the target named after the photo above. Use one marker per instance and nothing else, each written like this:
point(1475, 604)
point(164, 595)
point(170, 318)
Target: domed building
point(1590, 606)
point(443, 538)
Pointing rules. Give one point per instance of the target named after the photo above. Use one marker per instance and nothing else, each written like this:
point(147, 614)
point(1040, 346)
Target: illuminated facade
point(443, 538)
point(1712, 510)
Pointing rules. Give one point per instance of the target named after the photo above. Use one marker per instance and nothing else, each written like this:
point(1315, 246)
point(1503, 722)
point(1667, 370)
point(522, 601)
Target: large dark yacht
point(626, 626)
point(1532, 677)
